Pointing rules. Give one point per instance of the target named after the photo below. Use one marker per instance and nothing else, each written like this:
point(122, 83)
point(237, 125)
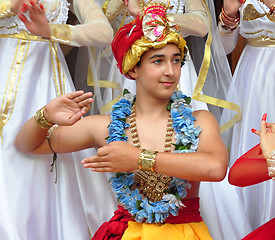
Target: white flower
point(171, 198)
point(178, 102)
point(129, 97)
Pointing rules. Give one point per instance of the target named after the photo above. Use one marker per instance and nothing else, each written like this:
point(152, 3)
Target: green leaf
point(122, 119)
point(177, 195)
point(188, 100)
point(138, 202)
point(125, 91)
point(119, 174)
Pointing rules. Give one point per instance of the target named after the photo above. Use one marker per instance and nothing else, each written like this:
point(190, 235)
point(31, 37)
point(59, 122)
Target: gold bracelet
point(41, 120)
point(147, 159)
point(272, 9)
point(272, 155)
point(271, 167)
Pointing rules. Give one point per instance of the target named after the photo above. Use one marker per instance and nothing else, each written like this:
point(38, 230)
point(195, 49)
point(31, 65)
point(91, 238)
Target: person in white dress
point(254, 80)
point(32, 72)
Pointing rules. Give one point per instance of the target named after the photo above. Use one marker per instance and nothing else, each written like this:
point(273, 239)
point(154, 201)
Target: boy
point(154, 140)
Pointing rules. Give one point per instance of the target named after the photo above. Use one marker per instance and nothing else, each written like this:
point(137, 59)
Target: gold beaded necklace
point(151, 184)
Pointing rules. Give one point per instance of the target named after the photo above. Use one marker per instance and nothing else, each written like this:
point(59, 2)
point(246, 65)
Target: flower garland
point(186, 141)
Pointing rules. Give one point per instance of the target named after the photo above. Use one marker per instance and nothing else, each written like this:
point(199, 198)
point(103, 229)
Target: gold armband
point(271, 167)
point(271, 164)
point(41, 120)
point(147, 159)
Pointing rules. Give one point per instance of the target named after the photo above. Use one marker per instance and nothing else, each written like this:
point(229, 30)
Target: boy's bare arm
point(209, 163)
point(72, 135)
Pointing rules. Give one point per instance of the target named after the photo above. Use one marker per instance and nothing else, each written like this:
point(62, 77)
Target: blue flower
point(177, 95)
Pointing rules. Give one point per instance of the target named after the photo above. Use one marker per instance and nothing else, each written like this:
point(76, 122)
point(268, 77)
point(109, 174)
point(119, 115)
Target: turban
point(151, 30)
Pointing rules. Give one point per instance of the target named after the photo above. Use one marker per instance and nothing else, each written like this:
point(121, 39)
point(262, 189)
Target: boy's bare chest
point(152, 135)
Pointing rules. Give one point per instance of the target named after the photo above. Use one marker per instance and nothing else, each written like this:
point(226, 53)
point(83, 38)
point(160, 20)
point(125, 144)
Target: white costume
point(32, 72)
point(254, 80)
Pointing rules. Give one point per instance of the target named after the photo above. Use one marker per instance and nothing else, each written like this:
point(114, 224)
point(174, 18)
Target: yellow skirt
point(167, 231)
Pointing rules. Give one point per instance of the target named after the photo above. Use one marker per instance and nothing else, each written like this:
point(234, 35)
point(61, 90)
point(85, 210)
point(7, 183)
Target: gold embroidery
point(12, 84)
point(5, 11)
point(261, 42)
point(57, 71)
point(61, 33)
point(25, 36)
point(15, 73)
point(250, 13)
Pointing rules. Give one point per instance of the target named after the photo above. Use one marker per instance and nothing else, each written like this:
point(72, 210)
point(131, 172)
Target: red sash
point(114, 229)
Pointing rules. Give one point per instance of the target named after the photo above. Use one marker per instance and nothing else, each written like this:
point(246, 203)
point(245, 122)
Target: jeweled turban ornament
point(151, 30)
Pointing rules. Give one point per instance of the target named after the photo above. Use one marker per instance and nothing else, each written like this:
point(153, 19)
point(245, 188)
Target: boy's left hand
point(114, 157)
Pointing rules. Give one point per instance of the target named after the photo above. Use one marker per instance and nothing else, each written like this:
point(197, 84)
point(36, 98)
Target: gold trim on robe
point(12, 83)
point(261, 42)
point(5, 9)
point(61, 33)
point(16, 70)
point(201, 81)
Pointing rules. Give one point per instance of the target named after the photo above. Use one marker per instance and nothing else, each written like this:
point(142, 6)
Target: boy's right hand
point(67, 109)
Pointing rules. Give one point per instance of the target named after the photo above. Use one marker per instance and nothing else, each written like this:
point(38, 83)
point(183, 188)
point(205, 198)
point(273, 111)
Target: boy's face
point(159, 70)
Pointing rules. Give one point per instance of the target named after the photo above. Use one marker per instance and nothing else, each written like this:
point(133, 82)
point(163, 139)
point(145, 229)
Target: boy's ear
point(132, 73)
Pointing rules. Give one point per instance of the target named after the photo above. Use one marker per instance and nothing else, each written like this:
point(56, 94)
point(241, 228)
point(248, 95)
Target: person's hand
point(231, 7)
point(269, 3)
point(114, 157)
point(267, 136)
point(38, 24)
point(16, 5)
point(133, 7)
point(67, 109)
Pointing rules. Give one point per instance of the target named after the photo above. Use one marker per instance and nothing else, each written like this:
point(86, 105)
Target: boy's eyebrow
point(162, 55)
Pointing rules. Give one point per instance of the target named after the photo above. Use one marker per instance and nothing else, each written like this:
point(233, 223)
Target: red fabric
point(187, 214)
point(115, 228)
point(264, 232)
point(127, 34)
point(249, 169)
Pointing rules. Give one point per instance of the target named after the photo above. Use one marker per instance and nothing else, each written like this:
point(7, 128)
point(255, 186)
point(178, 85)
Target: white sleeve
point(93, 30)
point(195, 19)
point(229, 39)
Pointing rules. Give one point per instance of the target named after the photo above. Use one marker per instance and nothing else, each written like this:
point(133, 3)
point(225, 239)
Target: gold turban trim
point(142, 45)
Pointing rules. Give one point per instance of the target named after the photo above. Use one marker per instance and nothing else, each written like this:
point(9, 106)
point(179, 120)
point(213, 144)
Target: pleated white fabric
point(254, 78)
point(33, 206)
